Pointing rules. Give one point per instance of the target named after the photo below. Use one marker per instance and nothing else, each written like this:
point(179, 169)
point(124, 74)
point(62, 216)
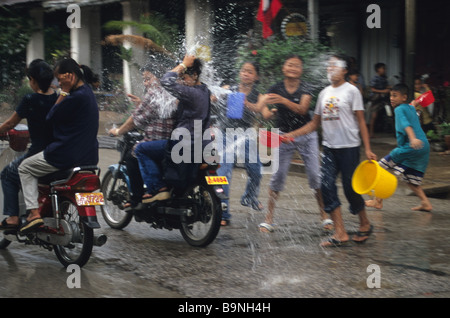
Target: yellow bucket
point(369, 178)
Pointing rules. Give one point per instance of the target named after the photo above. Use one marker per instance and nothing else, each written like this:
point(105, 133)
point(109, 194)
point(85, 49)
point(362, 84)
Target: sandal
point(332, 242)
point(362, 234)
point(31, 225)
point(266, 227)
point(6, 226)
point(224, 222)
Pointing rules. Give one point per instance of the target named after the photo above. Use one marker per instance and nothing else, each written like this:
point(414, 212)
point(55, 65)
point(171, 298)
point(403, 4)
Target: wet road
point(409, 250)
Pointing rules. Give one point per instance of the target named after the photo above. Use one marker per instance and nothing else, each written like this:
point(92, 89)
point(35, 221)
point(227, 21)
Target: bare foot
point(374, 204)
point(423, 207)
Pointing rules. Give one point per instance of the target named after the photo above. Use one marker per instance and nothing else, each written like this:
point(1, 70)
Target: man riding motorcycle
point(194, 104)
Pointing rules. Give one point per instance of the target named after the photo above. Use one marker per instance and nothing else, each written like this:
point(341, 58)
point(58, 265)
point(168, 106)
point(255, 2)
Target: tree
point(15, 33)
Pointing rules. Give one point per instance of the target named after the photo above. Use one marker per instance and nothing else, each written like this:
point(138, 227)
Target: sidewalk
point(437, 177)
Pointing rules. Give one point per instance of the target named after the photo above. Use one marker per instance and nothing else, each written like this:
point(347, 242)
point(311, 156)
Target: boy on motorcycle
point(74, 123)
point(34, 107)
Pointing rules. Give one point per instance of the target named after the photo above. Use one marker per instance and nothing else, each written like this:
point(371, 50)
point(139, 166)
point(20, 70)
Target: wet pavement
point(409, 250)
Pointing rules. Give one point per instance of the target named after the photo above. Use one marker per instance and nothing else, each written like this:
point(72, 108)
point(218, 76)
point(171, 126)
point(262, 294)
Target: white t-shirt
point(336, 106)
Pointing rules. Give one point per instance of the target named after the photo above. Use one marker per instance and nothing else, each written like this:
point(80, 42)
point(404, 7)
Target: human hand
point(370, 155)
point(416, 144)
point(67, 81)
point(136, 100)
point(287, 138)
point(188, 60)
point(113, 132)
point(274, 99)
point(414, 103)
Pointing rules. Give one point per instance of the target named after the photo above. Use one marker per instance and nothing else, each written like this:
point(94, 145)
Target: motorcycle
point(196, 213)
point(67, 205)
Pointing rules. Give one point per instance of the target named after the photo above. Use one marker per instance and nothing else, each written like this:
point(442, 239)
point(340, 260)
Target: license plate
point(86, 199)
point(216, 180)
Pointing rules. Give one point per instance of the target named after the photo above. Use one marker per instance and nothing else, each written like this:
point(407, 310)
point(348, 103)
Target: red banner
point(268, 10)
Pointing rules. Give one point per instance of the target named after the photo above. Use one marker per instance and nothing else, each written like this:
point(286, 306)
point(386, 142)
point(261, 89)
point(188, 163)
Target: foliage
point(433, 136)
point(444, 129)
point(15, 32)
point(152, 25)
point(57, 44)
point(270, 55)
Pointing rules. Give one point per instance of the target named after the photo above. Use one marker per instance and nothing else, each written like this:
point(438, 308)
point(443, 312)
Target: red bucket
point(271, 139)
point(425, 99)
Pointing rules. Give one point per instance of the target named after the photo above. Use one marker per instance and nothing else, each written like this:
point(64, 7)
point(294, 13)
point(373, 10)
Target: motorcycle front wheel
point(202, 228)
point(4, 243)
point(115, 198)
point(80, 248)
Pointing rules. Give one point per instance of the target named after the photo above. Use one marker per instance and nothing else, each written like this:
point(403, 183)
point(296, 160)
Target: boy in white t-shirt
point(340, 111)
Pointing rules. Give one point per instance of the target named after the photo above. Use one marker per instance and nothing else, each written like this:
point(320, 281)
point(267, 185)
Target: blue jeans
point(253, 171)
point(150, 155)
point(345, 161)
point(11, 187)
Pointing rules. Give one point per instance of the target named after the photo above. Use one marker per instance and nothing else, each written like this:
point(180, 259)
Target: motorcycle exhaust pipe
point(100, 240)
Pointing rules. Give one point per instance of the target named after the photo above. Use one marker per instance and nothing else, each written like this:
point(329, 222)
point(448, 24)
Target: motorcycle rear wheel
point(201, 231)
point(80, 249)
point(112, 211)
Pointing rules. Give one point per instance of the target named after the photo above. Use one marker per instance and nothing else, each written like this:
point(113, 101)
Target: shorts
point(407, 174)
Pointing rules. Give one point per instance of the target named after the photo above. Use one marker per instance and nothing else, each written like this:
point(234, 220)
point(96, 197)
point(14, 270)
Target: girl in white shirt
point(340, 111)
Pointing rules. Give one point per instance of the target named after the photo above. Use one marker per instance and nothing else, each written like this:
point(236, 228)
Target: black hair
point(401, 88)
point(41, 72)
point(196, 68)
point(353, 71)
point(294, 56)
point(69, 65)
point(254, 64)
point(379, 65)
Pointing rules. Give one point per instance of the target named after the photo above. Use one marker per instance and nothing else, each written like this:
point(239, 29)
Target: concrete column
point(35, 47)
point(80, 39)
point(198, 25)
point(410, 44)
point(96, 38)
point(313, 19)
point(132, 11)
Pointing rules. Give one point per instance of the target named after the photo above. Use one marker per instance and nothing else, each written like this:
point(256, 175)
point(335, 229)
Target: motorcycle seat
point(62, 176)
point(55, 176)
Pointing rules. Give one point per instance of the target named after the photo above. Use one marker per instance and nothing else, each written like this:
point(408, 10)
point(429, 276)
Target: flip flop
point(364, 233)
point(31, 225)
point(6, 226)
point(332, 242)
point(266, 227)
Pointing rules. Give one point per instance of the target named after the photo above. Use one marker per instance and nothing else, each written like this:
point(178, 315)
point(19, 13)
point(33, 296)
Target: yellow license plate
point(216, 180)
point(92, 198)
